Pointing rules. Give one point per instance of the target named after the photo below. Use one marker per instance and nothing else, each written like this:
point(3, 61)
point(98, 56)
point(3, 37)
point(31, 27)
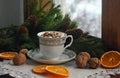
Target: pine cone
point(32, 18)
point(22, 30)
point(76, 33)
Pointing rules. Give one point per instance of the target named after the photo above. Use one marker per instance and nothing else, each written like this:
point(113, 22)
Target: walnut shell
point(19, 59)
point(94, 63)
point(24, 51)
point(85, 54)
point(81, 61)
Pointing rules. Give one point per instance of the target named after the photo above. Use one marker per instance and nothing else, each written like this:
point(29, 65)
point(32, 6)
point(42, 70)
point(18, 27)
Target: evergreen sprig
point(90, 44)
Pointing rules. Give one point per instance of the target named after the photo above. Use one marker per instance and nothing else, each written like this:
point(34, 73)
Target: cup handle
point(69, 36)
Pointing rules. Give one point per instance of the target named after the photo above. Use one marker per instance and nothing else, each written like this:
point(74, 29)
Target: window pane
point(86, 12)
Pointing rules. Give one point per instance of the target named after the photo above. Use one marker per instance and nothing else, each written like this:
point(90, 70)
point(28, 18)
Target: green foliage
point(74, 24)
point(8, 31)
point(52, 19)
point(87, 43)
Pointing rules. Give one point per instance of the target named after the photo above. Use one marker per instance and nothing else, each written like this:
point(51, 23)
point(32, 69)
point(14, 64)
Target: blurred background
point(11, 12)
point(86, 12)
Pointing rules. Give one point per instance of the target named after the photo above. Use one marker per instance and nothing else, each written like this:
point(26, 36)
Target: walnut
point(19, 59)
point(85, 54)
point(24, 51)
point(81, 61)
point(94, 63)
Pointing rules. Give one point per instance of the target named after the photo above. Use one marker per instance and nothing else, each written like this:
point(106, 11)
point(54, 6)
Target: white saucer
point(36, 55)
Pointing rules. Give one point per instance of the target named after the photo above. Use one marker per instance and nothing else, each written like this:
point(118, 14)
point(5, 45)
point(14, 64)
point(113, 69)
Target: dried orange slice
point(57, 70)
point(8, 55)
point(40, 69)
point(110, 59)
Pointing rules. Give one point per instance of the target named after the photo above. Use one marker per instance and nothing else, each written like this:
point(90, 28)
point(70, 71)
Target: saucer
point(37, 56)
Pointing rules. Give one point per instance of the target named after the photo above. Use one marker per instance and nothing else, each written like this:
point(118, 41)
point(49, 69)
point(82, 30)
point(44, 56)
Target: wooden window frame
point(111, 23)
point(26, 9)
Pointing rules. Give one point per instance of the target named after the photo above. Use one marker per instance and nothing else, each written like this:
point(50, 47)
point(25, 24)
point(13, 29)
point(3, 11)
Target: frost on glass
point(86, 12)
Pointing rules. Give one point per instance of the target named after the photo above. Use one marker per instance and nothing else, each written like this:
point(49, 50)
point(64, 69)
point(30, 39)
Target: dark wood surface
point(111, 23)
point(26, 9)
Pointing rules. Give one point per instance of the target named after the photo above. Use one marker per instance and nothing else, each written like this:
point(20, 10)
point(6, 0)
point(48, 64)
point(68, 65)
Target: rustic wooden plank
point(111, 23)
point(26, 9)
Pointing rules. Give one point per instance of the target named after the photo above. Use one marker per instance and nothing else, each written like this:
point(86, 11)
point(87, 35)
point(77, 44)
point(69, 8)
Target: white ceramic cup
point(52, 48)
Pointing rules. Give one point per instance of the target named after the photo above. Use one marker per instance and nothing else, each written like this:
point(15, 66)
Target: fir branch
point(90, 44)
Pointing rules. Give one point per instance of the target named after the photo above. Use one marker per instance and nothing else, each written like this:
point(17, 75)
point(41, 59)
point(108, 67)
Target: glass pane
point(86, 12)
